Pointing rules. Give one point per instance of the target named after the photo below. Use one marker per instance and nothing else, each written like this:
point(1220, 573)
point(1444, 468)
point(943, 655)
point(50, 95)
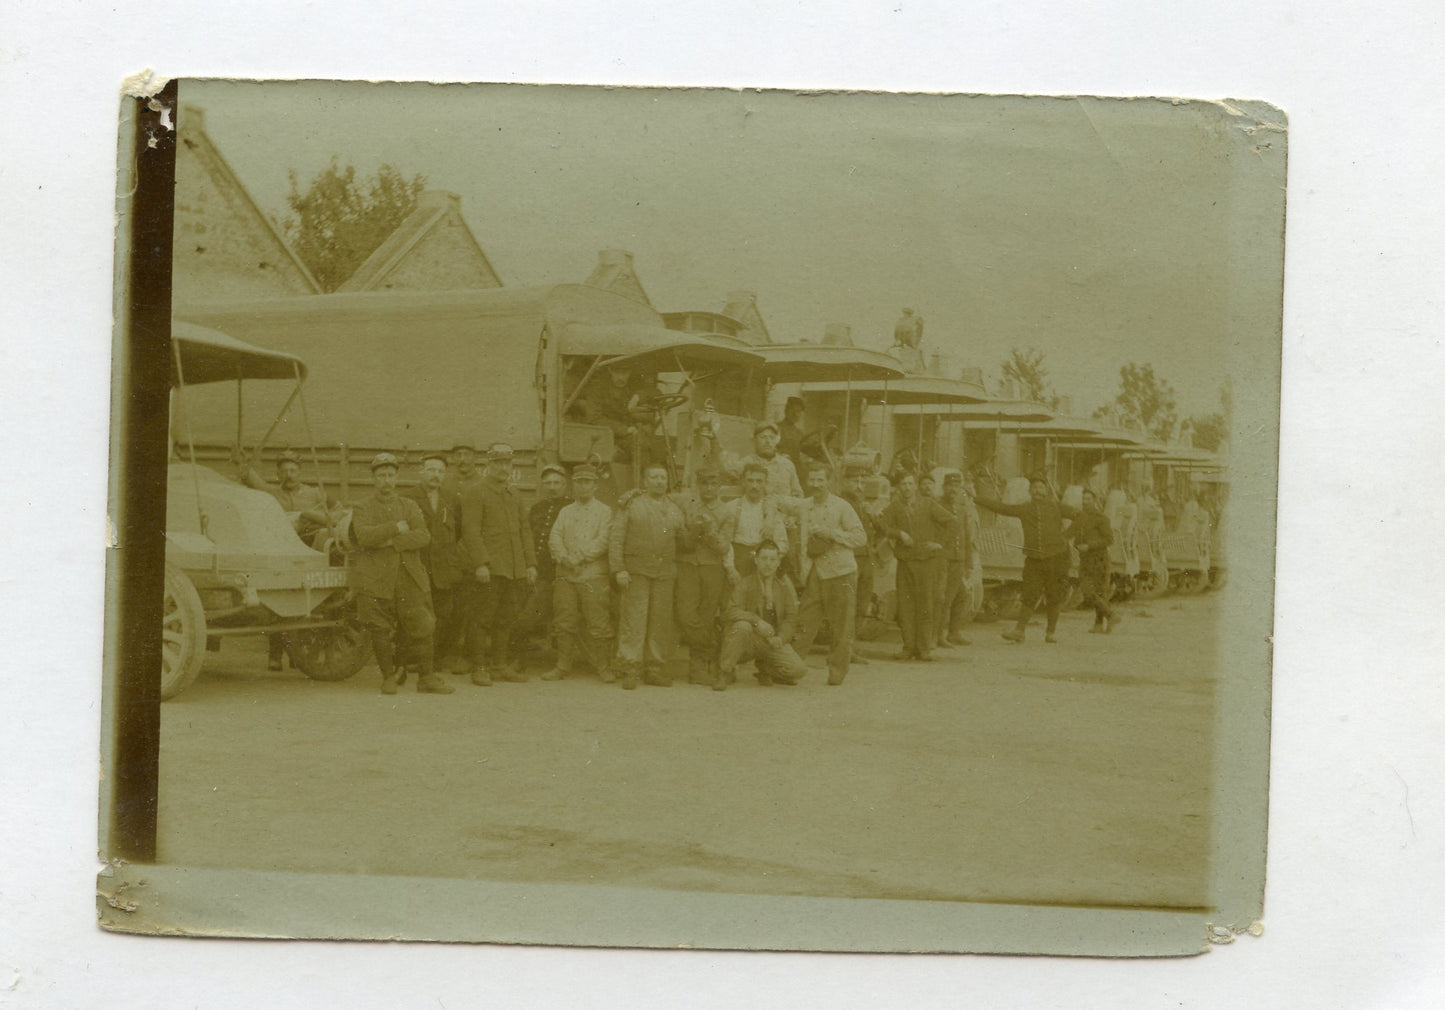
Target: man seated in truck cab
point(620, 402)
point(311, 512)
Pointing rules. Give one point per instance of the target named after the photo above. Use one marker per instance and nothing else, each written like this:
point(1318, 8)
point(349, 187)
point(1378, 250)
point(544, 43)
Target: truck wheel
point(331, 653)
point(1121, 587)
point(1218, 577)
point(183, 634)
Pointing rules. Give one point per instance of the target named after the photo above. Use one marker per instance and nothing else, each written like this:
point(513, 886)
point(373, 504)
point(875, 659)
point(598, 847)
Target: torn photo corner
point(691, 518)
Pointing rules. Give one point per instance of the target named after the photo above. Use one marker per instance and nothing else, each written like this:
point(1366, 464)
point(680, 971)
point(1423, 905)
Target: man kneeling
point(759, 621)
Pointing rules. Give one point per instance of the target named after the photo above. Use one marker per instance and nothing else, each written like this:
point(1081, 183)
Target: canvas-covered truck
point(235, 564)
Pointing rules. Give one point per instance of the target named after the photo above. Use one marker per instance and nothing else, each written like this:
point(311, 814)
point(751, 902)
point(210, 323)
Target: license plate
point(331, 578)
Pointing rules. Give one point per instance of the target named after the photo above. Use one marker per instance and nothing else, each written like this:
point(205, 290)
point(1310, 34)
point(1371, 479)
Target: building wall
point(445, 258)
point(223, 247)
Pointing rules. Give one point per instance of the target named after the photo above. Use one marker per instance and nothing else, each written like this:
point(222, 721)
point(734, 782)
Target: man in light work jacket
point(918, 527)
point(1046, 556)
point(642, 553)
point(578, 542)
point(499, 549)
point(752, 519)
point(393, 597)
point(829, 531)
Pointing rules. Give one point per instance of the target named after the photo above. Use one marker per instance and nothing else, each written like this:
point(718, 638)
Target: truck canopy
point(207, 355)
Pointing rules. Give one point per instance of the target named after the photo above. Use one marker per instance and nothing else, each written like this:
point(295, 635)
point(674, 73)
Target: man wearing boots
point(442, 558)
point(759, 619)
point(390, 580)
point(498, 546)
point(642, 553)
point(702, 581)
point(581, 597)
point(1046, 556)
point(829, 531)
point(1092, 535)
point(918, 527)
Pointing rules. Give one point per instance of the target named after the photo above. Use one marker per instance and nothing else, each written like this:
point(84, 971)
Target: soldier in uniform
point(537, 616)
point(642, 553)
point(759, 621)
point(1092, 534)
point(462, 475)
point(918, 527)
point(702, 580)
point(443, 560)
point(829, 531)
point(852, 493)
point(499, 550)
point(1046, 556)
point(389, 577)
point(958, 552)
point(578, 544)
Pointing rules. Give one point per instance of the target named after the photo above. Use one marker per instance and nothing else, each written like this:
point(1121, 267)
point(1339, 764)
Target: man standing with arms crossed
point(643, 556)
point(443, 561)
point(499, 550)
point(830, 531)
point(581, 605)
point(917, 526)
point(390, 581)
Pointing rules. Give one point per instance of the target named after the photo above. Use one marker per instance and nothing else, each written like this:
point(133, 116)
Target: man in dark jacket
point(443, 561)
point(1092, 535)
point(759, 620)
point(389, 577)
point(1046, 556)
point(499, 550)
point(536, 618)
point(918, 527)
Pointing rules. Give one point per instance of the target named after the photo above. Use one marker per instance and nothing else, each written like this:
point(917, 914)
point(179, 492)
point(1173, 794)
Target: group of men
point(457, 574)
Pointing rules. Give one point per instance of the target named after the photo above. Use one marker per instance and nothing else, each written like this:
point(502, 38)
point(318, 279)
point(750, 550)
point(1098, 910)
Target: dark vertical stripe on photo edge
point(141, 421)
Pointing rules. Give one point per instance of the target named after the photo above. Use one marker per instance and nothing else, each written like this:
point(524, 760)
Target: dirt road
point(1068, 773)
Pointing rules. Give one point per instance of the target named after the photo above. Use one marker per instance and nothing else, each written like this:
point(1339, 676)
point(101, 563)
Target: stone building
point(431, 250)
point(615, 272)
point(225, 246)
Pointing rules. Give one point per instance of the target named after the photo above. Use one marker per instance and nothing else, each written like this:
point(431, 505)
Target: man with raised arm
point(1046, 556)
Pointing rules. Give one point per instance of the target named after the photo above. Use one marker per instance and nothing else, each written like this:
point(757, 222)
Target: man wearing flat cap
point(536, 619)
point(443, 560)
point(702, 582)
point(782, 479)
point(642, 553)
point(388, 575)
point(503, 560)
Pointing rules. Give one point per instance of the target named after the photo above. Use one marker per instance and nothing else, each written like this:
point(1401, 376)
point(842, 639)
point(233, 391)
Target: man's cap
point(709, 476)
point(952, 477)
point(795, 399)
point(584, 471)
point(288, 457)
point(1038, 475)
point(552, 468)
point(499, 451)
point(382, 459)
point(460, 446)
point(763, 426)
point(435, 455)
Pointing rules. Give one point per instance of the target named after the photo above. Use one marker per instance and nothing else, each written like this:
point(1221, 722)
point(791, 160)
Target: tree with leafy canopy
point(340, 220)
point(1025, 366)
point(1212, 430)
point(1145, 398)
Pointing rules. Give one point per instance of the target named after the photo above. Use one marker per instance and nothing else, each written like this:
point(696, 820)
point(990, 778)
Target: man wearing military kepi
point(918, 527)
point(581, 595)
point(702, 581)
point(499, 549)
point(1046, 556)
point(642, 553)
point(393, 594)
point(1092, 534)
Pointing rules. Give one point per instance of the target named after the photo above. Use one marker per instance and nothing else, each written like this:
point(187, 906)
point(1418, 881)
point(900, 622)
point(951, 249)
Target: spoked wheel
point(1151, 584)
point(183, 634)
point(331, 653)
point(1188, 582)
point(1121, 587)
point(999, 603)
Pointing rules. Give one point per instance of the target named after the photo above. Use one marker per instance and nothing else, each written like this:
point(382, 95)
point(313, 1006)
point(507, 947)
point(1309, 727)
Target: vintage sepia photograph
point(692, 517)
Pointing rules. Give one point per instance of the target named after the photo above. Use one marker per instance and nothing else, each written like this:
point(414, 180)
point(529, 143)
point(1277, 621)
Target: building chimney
point(971, 374)
point(838, 335)
point(615, 258)
point(935, 365)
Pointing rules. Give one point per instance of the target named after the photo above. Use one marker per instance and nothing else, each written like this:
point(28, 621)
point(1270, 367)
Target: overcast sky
point(1098, 231)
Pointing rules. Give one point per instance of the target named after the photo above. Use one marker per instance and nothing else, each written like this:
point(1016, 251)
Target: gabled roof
point(743, 306)
point(191, 130)
point(435, 210)
point(614, 272)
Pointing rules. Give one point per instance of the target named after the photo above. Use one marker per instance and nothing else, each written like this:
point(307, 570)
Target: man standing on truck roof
point(642, 553)
point(443, 559)
point(536, 618)
point(393, 594)
point(1046, 555)
point(582, 595)
point(498, 547)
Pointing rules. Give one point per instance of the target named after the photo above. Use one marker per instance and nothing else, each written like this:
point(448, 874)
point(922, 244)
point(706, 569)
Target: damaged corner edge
point(144, 84)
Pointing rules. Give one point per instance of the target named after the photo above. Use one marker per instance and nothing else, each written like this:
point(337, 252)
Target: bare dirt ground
point(1076, 773)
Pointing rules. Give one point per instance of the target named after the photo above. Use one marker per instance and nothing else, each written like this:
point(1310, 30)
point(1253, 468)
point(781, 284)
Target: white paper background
point(1355, 910)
